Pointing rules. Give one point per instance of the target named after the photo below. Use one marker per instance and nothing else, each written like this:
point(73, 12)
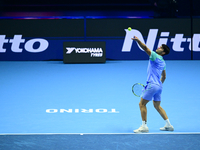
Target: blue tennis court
point(49, 97)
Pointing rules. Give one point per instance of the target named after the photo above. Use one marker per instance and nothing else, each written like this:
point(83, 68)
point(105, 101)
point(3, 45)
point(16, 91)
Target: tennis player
point(156, 76)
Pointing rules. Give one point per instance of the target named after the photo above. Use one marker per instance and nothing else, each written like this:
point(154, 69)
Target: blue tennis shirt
point(155, 67)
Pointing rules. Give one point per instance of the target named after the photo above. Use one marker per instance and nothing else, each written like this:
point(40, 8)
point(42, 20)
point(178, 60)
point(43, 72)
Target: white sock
point(144, 123)
point(167, 122)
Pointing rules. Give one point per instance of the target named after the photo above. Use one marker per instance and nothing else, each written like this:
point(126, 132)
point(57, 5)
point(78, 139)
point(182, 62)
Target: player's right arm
point(142, 45)
point(163, 76)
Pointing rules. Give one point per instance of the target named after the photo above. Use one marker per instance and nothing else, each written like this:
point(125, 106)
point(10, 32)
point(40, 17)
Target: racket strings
point(137, 90)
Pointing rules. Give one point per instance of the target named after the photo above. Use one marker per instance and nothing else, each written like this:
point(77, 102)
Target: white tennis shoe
point(167, 128)
point(142, 129)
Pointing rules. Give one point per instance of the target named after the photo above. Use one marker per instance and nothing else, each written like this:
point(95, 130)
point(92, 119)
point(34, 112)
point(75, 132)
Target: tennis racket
point(137, 89)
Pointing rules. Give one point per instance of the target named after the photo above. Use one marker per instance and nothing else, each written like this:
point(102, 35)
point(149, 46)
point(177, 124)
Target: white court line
point(97, 133)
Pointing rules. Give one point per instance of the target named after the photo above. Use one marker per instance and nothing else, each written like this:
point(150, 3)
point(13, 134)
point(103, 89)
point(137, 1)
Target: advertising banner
point(43, 39)
point(176, 33)
point(196, 39)
point(84, 52)
point(37, 39)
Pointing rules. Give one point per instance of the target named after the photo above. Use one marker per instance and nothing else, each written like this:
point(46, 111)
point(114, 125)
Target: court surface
point(49, 97)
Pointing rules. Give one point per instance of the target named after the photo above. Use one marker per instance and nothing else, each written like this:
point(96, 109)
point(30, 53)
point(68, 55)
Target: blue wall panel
point(42, 39)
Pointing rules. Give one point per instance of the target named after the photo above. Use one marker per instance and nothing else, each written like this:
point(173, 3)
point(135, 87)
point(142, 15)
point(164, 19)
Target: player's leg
point(143, 110)
point(147, 96)
point(161, 111)
point(148, 93)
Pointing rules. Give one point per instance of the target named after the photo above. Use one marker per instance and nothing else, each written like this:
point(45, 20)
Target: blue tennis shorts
point(152, 91)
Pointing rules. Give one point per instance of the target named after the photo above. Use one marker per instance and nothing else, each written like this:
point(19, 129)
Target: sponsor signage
point(17, 41)
point(70, 111)
point(37, 39)
point(196, 33)
point(84, 52)
point(93, 41)
point(176, 33)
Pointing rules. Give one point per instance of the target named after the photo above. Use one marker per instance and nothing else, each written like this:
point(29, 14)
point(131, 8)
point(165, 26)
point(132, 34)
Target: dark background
point(64, 5)
point(184, 7)
point(43, 27)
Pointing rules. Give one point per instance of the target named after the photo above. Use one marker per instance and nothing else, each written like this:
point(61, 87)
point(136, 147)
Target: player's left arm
point(142, 45)
point(163, 76)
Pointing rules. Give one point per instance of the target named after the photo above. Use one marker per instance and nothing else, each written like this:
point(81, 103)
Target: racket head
point(137, 89)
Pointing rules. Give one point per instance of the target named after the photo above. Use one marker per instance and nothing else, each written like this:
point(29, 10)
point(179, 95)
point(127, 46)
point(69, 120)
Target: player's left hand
point(135, 38)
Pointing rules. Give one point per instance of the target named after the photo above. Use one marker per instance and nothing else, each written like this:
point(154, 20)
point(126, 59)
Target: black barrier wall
point(43, 27)
point(43, 39)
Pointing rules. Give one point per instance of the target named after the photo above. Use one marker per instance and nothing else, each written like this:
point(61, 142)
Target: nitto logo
point(28, 46)
point(94, 52)
point(164, 37)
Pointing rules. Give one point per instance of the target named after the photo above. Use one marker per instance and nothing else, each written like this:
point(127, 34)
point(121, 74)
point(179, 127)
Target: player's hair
point(166, 49)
